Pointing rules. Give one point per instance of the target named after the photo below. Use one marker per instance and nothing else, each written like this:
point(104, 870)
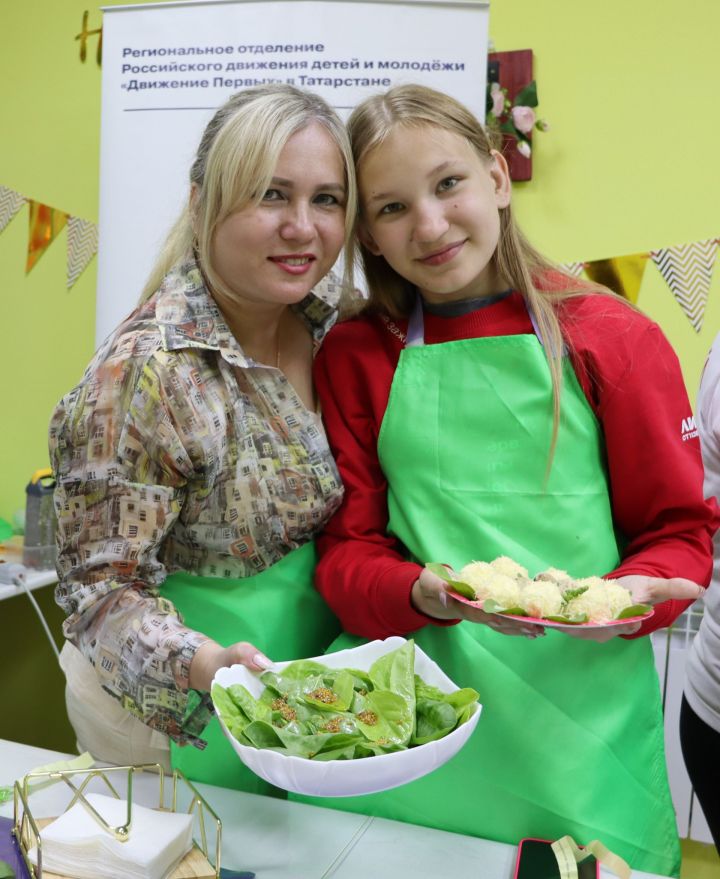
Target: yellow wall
point(630, 164)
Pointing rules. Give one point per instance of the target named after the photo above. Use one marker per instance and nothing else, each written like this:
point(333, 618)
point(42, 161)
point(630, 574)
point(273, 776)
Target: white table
point(33, 580)
point(277, 839)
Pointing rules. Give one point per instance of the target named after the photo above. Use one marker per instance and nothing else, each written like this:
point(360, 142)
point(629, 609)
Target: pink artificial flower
point(523, 147)
point(523, 119)
point(498, 99)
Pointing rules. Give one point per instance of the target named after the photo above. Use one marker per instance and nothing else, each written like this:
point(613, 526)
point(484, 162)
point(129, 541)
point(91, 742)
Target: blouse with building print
point(176, 452)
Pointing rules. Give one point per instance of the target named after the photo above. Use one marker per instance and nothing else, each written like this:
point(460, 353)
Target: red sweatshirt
point(631, 378)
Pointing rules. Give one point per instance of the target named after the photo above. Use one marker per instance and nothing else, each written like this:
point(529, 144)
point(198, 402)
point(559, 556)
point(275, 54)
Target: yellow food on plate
point(602, 601)
point(541, 598)
point(552, 593)
point(489, 583)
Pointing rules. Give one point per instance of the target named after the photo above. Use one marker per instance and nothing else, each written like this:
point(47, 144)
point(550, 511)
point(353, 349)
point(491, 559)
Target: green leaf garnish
point(569, 594)
point(635, 610)
point(461, 588)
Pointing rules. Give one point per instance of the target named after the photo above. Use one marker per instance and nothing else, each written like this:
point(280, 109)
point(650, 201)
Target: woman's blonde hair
point(519, 266)
point(234, 165)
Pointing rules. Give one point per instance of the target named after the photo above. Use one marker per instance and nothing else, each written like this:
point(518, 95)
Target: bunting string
point(45, 223)
point(686, 268)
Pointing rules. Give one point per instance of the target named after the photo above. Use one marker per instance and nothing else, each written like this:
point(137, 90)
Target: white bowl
point(348, 778)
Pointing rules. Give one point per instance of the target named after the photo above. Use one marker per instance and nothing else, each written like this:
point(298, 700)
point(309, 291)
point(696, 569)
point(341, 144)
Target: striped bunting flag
point(10, 204)
point(687, 269)
point(82, 245)
point(573, 268)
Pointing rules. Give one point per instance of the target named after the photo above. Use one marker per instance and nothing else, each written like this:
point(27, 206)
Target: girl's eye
point(391, 208)
point(272, 195)
point(448, 183)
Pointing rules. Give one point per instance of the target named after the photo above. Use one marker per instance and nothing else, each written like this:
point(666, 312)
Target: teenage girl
point(486, 404)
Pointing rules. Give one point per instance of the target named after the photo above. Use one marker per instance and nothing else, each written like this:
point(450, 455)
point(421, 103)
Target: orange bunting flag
point(622, 274)
point(45, 224)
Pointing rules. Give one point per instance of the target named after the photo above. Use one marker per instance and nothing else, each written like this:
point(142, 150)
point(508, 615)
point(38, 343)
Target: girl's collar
point(463, 306)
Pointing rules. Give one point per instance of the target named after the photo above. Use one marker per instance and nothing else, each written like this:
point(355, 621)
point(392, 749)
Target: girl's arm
point(633, 380)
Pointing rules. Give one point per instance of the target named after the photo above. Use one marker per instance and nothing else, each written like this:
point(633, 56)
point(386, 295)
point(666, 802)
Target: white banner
point(168, 66)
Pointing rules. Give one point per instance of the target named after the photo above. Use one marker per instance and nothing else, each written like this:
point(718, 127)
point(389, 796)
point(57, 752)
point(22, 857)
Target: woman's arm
point(122, 470)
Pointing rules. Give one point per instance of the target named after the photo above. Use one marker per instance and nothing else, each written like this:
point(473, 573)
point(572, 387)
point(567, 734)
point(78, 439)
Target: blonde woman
point(191, 464)
point(487, 404)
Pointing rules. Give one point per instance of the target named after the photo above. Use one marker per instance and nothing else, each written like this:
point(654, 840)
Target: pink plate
point(551, 624)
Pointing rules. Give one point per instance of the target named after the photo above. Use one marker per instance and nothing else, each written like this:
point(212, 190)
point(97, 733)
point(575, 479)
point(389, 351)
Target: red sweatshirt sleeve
point(362, 573)
point(633, 380)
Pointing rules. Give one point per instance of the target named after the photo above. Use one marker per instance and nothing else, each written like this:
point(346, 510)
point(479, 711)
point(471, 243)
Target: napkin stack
point(76, 845)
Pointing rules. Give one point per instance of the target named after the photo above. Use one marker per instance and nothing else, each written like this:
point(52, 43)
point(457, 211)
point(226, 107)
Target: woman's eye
point(272, 195)
point(326, 199)
point(448, 183)
point(391, 208)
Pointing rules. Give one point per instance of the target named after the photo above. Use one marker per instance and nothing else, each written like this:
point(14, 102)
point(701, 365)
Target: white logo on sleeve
point(688, 429)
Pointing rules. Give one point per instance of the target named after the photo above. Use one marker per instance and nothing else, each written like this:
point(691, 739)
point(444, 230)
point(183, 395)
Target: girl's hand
point(428, 596)
point(210, 657)
point(653, 590)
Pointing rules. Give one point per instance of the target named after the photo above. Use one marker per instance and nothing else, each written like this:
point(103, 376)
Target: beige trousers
point(101, 724)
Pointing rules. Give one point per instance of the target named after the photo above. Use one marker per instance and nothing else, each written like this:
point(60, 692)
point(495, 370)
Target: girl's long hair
point(520, 267)
point(234, 165)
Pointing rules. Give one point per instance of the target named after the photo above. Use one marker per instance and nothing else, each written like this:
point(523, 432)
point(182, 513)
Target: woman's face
point(430, 208)
point(277, 251)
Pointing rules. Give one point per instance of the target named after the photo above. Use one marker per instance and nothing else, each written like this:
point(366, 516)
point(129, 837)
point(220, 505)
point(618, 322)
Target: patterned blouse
point(177, 452)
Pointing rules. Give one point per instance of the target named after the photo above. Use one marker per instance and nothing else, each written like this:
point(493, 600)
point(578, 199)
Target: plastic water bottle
point(40, 521)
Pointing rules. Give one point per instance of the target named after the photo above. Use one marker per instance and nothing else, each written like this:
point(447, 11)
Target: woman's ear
point(500, 174)
point(366, 239)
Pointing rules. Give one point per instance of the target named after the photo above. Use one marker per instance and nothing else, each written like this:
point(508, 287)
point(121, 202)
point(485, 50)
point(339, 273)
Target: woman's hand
point(210, 657)
point(428, 596)
point(653, 590)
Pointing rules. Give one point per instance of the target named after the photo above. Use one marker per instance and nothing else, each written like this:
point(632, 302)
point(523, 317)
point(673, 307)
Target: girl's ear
point(500, 174)
point(367, 240)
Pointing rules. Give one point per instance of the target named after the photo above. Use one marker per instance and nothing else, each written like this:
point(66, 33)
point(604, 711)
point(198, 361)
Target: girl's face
point(430, 208)
point(277, 251)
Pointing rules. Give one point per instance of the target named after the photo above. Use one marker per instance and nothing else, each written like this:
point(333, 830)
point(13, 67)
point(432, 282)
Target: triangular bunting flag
point(687, 269)
point(623, 274)
point(82, 244)
point(10, 204)
point(573, 268)
point(45, 223)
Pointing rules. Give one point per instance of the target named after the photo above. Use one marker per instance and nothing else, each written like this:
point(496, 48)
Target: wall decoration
point(511, 102)
point(10, 204)
point(688, 269)
point(623, 274)
point(45, 224)
point(83, 37)
point(82, 244)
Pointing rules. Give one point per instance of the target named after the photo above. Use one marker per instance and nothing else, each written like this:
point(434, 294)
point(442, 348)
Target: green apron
point(280, 612)
point(570, 740)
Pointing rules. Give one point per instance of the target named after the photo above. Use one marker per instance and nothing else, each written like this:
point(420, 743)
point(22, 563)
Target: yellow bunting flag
point(10, 204)
point(622, 274)
point(45, 224)
point(82, 244)
point(688, 270)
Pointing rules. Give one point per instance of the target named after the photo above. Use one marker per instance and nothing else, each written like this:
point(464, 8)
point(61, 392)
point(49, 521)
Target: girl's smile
point(430, 208)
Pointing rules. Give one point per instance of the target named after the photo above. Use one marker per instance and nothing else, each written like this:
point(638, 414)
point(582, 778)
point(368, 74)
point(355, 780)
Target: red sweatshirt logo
point(688, 428)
